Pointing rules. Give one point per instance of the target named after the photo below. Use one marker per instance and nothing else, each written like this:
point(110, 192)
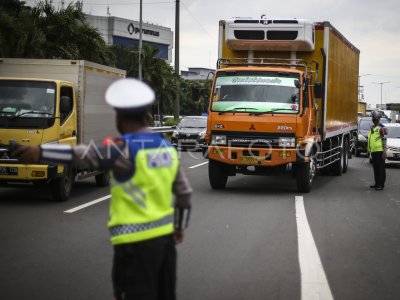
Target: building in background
point(197, 74)
point(124, 32)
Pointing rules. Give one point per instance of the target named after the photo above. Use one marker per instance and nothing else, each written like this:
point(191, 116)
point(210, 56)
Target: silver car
point(393, 143)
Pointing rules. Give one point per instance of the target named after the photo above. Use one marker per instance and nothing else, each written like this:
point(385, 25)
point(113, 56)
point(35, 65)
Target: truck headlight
point(287, 142)
point(361, 138)
point(218, 140)
point(202, 134)
point(175, 134)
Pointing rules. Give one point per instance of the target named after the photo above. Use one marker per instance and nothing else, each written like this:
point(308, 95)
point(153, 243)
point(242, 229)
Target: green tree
point(188, 105)
point(156, 72)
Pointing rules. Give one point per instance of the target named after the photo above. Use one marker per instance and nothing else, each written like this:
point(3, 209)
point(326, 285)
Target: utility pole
point(140, 39)
point(177, 100)
point(381, 83)
point(361, 88)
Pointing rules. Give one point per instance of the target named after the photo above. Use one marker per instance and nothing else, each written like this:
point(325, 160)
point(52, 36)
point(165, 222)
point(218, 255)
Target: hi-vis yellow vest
point(375, 143)
point(142, 207)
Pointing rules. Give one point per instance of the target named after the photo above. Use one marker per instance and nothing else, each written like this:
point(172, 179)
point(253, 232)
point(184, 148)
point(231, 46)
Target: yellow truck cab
point(52, 102)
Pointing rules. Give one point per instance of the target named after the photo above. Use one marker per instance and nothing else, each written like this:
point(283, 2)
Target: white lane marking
point(72, 210)
point(204, 163)
point(314, 284)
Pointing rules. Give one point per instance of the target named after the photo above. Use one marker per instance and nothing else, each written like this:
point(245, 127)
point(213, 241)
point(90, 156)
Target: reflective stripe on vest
point(132, 228)
point(375, 143)
point(135, 192)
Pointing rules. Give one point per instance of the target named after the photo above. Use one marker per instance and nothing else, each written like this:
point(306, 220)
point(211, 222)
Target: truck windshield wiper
point(29, 113)
point(274, 110)
point(236, 109)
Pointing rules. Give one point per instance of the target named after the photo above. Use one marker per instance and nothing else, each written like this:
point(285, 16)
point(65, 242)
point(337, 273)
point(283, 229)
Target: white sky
point(371, 25)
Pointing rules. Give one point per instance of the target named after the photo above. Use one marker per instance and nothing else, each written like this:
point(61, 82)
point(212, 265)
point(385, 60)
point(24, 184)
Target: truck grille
point(253, 139)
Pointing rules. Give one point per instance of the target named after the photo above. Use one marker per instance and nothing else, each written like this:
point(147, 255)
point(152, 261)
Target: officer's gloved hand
point(26, 154)
point(384, 155)
point(178, 236)
point(13, 146)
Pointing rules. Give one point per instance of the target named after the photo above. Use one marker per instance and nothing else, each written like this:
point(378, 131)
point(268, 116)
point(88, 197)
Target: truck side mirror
point(65, 105)
point(195, 94)
point(317, 90)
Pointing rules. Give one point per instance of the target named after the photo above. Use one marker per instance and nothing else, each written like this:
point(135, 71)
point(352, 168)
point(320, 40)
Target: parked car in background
point(190, 133)
point(393, 143)
point(364, 125)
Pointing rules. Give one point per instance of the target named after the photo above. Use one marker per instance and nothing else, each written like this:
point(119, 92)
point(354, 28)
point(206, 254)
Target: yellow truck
point(284, 96)
point(52, 102)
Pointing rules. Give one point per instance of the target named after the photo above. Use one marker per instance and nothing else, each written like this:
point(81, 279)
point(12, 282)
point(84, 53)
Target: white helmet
point(129, 94)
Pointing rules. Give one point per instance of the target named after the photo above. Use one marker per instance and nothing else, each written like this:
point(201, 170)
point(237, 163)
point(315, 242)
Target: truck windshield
point(27, 99)
point(256, 92)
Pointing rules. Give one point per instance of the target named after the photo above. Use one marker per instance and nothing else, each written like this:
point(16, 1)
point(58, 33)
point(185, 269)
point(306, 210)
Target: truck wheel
point(357, 152)
point(326, 171)
point(337, 167)
point(345, 157)
point(61, 187)
point(102, 179)
point(305, 173)
point(294, 171)
point(217, 174)
point(350, 150)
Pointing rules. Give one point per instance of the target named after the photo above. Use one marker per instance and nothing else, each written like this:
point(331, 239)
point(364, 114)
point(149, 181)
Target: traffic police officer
point(377, 148)
point(145, 223)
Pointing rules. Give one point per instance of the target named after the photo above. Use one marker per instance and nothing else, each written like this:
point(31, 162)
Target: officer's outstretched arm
point(82, 156)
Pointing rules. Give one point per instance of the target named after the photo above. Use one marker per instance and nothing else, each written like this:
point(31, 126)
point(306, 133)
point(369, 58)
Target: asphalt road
point(245, 242)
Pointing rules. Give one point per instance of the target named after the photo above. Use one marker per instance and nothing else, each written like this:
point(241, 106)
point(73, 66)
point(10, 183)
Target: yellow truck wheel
point(61, 187)
point(102, 179)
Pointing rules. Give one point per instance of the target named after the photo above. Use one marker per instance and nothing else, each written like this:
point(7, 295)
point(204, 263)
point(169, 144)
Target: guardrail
point(163, 129)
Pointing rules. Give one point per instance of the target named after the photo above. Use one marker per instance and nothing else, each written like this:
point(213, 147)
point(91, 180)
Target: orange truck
point(284, 97)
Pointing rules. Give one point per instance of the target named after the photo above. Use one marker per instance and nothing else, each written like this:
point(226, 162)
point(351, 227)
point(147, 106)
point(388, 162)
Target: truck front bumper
point(26, 173)
point(256, 157)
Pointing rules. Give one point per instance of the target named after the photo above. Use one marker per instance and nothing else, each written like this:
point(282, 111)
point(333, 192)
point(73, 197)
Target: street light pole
point(381, 83)
point(360, 92)
point(140, 39)
point(177, 100)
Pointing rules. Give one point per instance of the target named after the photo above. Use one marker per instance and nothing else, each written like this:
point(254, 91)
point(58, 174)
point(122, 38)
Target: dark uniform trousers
point(145, 270)
point(379, 168)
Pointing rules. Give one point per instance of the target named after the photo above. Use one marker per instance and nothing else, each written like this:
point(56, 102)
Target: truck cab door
point(67, 112)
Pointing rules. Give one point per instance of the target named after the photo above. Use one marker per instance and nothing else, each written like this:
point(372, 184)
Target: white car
point(393, 143)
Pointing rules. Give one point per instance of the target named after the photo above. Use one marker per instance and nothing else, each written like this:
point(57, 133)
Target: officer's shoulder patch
point(159, 159)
